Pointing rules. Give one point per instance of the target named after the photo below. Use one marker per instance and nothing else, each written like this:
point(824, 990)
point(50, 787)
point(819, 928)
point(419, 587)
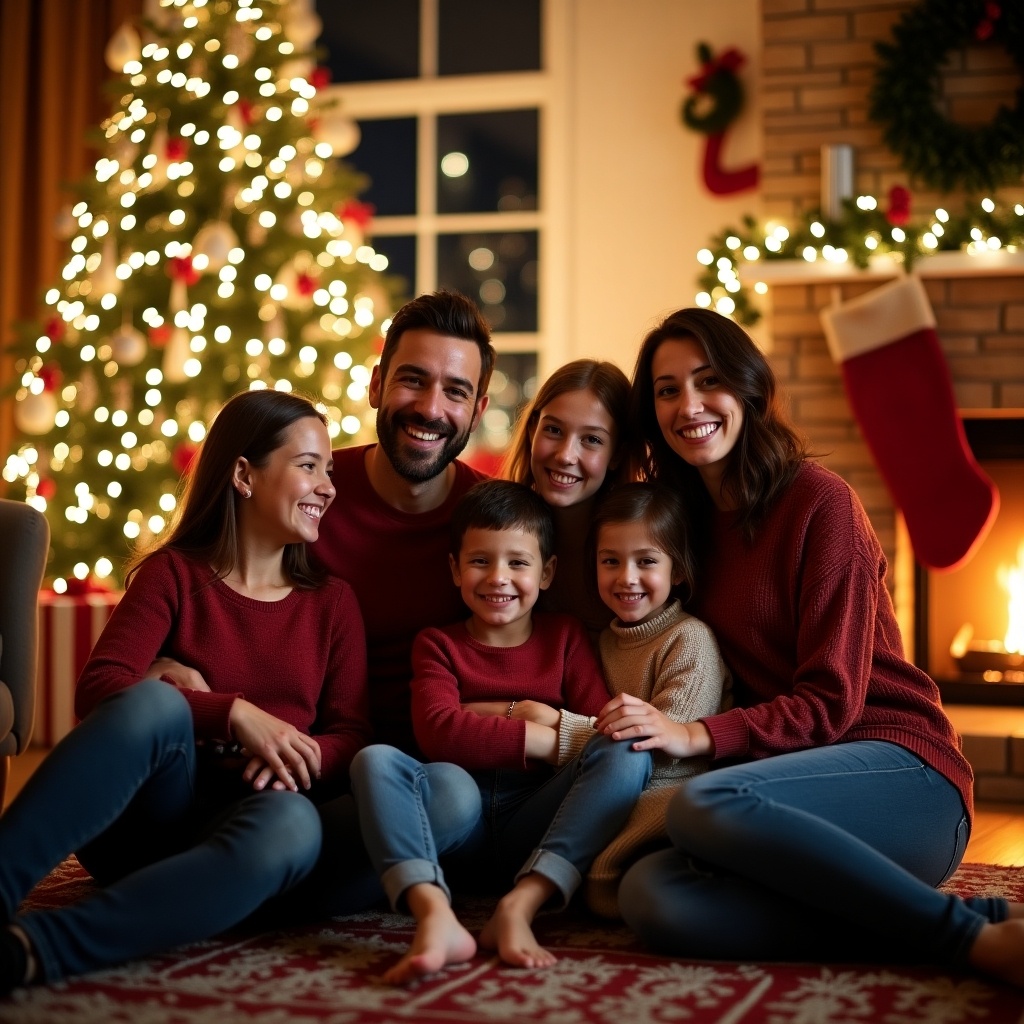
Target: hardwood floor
point(997, 838)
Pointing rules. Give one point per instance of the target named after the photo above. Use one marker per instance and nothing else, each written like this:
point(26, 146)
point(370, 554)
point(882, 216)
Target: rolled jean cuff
point(556, 870)
point(401, 876)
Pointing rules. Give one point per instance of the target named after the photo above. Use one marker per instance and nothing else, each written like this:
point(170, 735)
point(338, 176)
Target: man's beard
point(412, 465)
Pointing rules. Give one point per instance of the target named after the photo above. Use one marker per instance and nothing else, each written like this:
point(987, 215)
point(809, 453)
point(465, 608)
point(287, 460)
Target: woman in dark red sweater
point(842, 798)
point(186, 804)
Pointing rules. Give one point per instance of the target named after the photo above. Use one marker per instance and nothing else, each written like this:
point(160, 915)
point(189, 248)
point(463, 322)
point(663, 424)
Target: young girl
point(185, 804)
point(661, 664)
point(570, 447)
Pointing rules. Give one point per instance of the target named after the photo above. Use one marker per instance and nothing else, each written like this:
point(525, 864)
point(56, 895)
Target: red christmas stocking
point(898, 384)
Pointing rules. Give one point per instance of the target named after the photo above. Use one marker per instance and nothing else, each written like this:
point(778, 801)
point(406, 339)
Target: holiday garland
point(863, 232)
point(903, 101)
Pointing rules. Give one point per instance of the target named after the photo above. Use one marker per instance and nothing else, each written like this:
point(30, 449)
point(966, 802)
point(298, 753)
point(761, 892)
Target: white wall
point(637, 207)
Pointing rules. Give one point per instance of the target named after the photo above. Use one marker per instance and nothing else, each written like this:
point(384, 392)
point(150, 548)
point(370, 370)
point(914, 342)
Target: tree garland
point(932, 149)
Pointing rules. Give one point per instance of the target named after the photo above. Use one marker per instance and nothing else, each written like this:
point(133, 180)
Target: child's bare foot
point(999, 951)
point(509, 930)
point(440, 939)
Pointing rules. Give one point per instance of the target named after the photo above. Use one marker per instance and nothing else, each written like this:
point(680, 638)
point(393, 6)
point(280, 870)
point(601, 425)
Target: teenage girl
point(186, 805)
point(570, 447)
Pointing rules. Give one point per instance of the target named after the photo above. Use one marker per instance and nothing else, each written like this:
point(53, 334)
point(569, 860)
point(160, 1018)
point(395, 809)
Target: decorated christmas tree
point(220, 246)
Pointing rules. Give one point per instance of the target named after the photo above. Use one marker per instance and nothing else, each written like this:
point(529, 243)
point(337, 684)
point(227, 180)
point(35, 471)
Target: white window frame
point(430, 96)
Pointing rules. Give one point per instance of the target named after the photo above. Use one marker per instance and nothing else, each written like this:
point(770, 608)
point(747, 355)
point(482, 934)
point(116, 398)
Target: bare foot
point(509, 930)
point(1015, 910)
point(440, 939)
point(999, 951)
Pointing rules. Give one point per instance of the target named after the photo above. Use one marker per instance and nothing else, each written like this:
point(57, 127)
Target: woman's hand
point(524, 711)
point(183, 677)
point(276, 749)
point(625, 717)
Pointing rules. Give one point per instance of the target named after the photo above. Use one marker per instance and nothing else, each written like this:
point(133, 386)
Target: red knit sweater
point(302, 659)
point(556, 665)
point(806, 624)
point(397, 564)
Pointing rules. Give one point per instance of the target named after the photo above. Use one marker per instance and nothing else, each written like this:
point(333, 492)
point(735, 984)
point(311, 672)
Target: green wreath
point(934, 150)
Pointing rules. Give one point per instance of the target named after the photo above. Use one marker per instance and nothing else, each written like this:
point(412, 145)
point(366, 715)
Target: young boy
point(467, 680)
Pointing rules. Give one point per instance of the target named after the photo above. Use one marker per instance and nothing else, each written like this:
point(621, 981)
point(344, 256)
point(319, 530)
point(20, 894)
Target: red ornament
point(179, 268)
point(357, 212)
point(159, 336)
point(320, 77)
point(55, 328)
point(378, 345)
point(987, 24)
point(51, 376)
point(899, 206)
point(305, 284)
point(183, 456)
point(46, 488)
point(246, 108)
point(176, 148)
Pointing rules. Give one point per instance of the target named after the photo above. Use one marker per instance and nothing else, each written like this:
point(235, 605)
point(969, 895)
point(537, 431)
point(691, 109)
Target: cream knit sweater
point(673, 663)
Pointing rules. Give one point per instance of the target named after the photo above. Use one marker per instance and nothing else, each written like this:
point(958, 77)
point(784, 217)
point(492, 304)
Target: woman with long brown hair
point(851, 801)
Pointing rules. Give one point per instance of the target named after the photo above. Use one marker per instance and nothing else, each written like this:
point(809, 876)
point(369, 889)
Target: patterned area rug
point(328, 975)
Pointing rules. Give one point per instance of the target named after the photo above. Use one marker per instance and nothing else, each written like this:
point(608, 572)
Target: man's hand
point(275, 748)
point(183, 677)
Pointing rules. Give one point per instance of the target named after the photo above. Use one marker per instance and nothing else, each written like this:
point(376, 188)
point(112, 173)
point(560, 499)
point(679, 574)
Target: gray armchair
point(24, 543)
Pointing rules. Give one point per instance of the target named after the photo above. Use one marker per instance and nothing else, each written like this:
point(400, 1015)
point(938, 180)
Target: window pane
point(371, 40)
point(488, 161)
point(401, 253)
point(387, 155)
point(486, 36)
point(513, 384)
point(497, 269)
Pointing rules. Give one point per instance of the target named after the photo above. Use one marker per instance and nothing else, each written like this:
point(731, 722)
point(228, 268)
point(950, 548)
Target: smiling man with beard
point(388, 533)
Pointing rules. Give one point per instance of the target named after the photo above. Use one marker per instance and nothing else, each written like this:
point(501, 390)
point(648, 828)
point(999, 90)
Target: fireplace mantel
point(999, 263)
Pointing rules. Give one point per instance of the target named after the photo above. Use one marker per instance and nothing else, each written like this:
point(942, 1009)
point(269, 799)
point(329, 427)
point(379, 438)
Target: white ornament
point(239, 42)
point(303, 27)
point(124, 45)
point(104, 277)
point(158, 148)
point(215, 240)
point(128, 346)
point(341, 133)
point(35, 414)
point(176, 353)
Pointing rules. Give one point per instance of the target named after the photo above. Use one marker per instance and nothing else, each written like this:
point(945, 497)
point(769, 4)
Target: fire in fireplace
point(969, 624)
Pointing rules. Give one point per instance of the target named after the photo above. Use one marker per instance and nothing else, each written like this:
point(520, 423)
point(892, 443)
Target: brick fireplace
point(818, 66)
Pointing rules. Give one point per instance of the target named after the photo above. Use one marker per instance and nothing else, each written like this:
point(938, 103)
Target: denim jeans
point(825, 854)
point(178, 861)
point(414, 814)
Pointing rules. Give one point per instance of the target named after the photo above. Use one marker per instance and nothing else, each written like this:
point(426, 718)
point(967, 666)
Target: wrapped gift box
point(69, 626)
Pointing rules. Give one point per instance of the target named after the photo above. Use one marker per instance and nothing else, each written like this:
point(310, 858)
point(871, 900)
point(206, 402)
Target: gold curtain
point(51, 79)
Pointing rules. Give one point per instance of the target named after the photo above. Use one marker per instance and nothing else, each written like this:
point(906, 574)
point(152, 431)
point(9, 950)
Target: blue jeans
point(825, 854)
point(178, 861)
point(413, 814)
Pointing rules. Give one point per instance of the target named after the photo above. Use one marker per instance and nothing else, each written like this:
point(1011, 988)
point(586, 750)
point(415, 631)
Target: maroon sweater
point(397, 564)
point(302, 659)
point(556, 666)
point(806, 624)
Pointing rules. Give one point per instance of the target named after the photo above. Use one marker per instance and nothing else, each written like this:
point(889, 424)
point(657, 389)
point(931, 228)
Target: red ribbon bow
point(731, 60)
